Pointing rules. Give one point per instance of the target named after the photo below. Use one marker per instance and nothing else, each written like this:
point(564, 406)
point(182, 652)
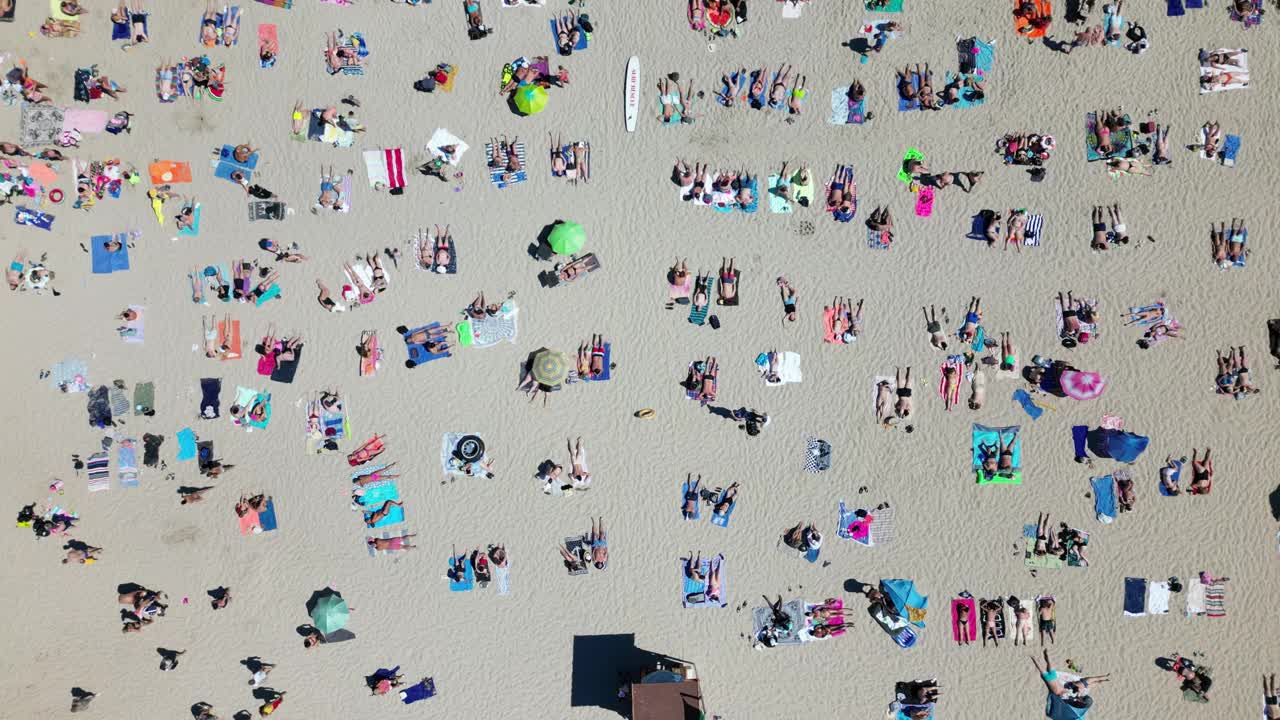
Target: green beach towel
point(912, 154)
point(802, 193)
point(465, 336)
point(1004, 478)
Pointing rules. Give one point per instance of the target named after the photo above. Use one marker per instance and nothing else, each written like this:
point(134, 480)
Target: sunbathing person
point(744, 198)
point(803, 537)
point(796, 97)
point(1235, 241)
point(1221, 57)
point(373, 518)
point(672, 101)
point(378, 476)
point(707, 390)
point(1272, 703)
point(326, 301)
point(571, 563)
point(693, 568)
point(991, 611)
point(1243, 387)
point(728, 283)
point(789, 297)
point(1121, 166)
point(568, 33)
point(191, 496)
point(928, 101)
point(842, 195)
point(1125, 494)
point(850, 320)
point(475, 20)
point(599, 545)
point(778, 89)
point(337, 56)
point(906, 83)
point(1017, 233)
point(950, 385)
point(884, 403)
point(440, 253)
point(755, 95)
point(1043, 539)
point(186, 217)
point(395, 543)
point(434, 340)
point(713, 580)
point(726, 497)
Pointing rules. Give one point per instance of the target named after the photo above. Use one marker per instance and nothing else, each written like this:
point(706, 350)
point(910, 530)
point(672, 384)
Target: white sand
point(513, 657)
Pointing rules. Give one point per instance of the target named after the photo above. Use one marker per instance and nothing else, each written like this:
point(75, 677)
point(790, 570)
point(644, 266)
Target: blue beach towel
point(106, 262)
point(685, 492)
point(1194, 4)
point(496, 174)
point(1175, 9)
point(1104, 498)
point(722, 520)
point(127, 466)
point(23, 215)
point(267, 518)
point(1023, 398)
point(812, 555)
point(904, 104)
point(1230, 149)
point(124, 30)
point(983, 435)
point(607, 374)
point(755, 198)
point(1244, 238)
point(186, 444)
point(695, 587)
point(468, 580)
point(374, 497)
point(1080, 440)
point(225, 169)
point(1135, 596)
point(195, 223)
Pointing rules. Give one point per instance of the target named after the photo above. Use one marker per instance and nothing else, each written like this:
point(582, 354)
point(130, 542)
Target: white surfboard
point(632, 94)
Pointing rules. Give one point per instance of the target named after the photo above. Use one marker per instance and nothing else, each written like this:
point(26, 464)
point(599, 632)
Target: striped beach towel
point(1032, 230)
point(120, 404)
point(1215, 600)
point(499, 175)
point(99, 468)
point(884, 528)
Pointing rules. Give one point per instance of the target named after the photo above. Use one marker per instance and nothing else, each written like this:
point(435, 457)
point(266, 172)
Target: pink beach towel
point(942, 381)
point(924, 202)
point(955, 619)
point(249, 523)
point(84, 121)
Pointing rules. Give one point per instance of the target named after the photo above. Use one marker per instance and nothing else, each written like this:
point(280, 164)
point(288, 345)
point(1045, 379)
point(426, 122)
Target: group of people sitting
point(144, 606)
point(50, 522)
point(1025, 148)
point(785, 90)
point(915, 700)
point(365, 281)
point(24, 274)
point(1233, 375)
point(718, 18)
point(1066, 543)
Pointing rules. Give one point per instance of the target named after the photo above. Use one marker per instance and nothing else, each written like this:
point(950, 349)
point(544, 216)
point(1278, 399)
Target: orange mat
point(165, 172)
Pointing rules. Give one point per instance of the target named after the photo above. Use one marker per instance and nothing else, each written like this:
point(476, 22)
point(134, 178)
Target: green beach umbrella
point(567, 238)
point(550, 367)
point(531, 99)
point(330, 613)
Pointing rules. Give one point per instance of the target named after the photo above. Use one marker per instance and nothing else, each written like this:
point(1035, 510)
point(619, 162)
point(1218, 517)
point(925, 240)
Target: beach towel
point(788, 368)
point(450, 462)
point(583, 38)
point(69, 375)
point(499, 175)
point(79, 120)
point(134, 331)
point(607, 373)
point(1023, 398)
point(1239, 72)
point(1022, 24)
point(972, 633)
point(373, 499)
point(1158, 598)
point(1104, 498)
point(385, 168)
point(99, 407)
point(1174, 476)
point(955, 362)
point(467, 581)
point(350, 65)
point(924, 201)
point(285, 370)
point(1243, 239)
point(1033, 230)
point(698, 314)
point(979, 56)
point(903, 103)
point(267, 35)
point(1135, 597)
point(502, 577)
point(491, 330)
point(443, 138)
point(854, 524)
point(845, 111)
point(1175, 9)
point(1251, 19)
point(762, 617)
point(144, 398)
point(23, 215)
point(817, 455)
point(210, 403)
point(418, 354)
point(105, 261)
point(1030, 559)
point(119, 401)
point(977, 618)
point(194, 228)
point(891, 6)
point(418, 241)
point(989, 437)
point(1122, 141)
point(124, 30)
point(40, 124)
point(225, 164)
point(265, 210)
point(426, 688)
point(97, 467)
point(1215, 596)
point(777, 203)
point(722, 519)
point(1230, 150)
point(574, 545)
point(186, 445)
point(687, 495)
point(230, 341)
point(694, 592)
point(1196, 598)
point(169, 172)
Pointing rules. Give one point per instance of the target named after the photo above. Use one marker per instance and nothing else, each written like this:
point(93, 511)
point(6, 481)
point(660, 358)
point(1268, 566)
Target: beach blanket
point(442, 138)
point(762, 617)
point(1104, 498)
point(1158, 598)
point(1215, 597)
point(1122, 141)
point(694, 592)
point(105, 261)
point(491, 330)
point(134, 331)
point(575, 545)
point(119, 401)
point(817, 455)
point(422, 690)
point(186, 445)
point(1239, 72)
point(225, 164)
point(98, 469)
point(778, 204)
point(40, 124)
point(169, 172)
point(144, 399)
point(83, 121)
point(924, 201)
point(972, 633)
point(904, 104)
point(1135, 597)
point(499, 175)
point(607, 373)
point(422, 239)
point(385, 168)
point(468, 580)
point(583, 38)
point(888, 6)
point(722, 519)
point(502, 578)
point(350, 65)
point(1230, 151)
point(23, 215)
point(267, 36)
point(979, 58)
point(1254, 17)
point(988, 437)
point(373, 499)
point(845, 111)
point(1196, 598)
point(788, 368)
point(450, 462)
point(1030, 559)
point(266, 210)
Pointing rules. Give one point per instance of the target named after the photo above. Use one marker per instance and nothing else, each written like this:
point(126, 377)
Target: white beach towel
point(788, 369)
point(1240, 71)
point(1158, 598)
point(875, 385)
point(441, 138)
point(1195, 598)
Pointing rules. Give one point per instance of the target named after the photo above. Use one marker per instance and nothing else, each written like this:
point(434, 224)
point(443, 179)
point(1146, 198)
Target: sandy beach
point(552, 647)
